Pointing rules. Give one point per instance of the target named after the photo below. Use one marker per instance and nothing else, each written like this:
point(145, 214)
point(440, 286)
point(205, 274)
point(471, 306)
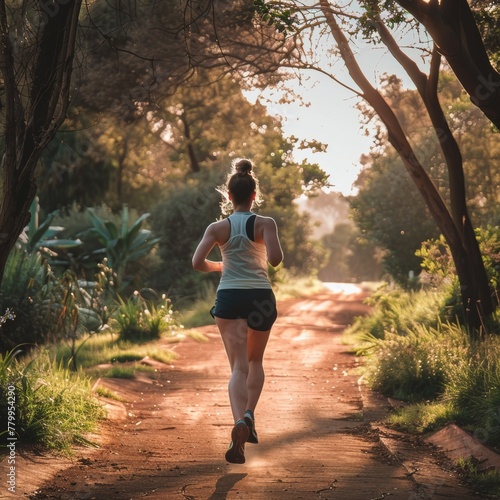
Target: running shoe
point(239, 436)
point(252, 433)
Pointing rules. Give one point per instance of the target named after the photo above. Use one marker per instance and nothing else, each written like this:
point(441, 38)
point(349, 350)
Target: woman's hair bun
point(243, 167)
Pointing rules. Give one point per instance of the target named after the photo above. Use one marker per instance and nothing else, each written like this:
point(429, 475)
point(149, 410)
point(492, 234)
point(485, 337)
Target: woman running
point(245, 306)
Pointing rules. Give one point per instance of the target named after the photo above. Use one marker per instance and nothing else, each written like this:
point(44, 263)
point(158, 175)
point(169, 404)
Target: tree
point(385, 199)
point(313, 29)
point(452, 26)
point(389, 212)
point(38, 41)
point(37, 52)
point(453, 220)
point(230, 126)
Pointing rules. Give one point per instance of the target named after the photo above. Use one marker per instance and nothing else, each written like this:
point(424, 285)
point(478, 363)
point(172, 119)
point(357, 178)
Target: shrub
point(416, 366)
point(139, 319)
point(440, 268)
point(29, 290)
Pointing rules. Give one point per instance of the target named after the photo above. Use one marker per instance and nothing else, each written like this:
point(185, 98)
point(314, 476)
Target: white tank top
point(244, 261)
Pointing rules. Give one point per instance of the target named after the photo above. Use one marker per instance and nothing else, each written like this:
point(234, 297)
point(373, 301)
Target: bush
point(450, 374)
point(84, 260)
point(139, 319)
point(416, 366)
point(439, 267)
point(180, 222)
point(29, 290)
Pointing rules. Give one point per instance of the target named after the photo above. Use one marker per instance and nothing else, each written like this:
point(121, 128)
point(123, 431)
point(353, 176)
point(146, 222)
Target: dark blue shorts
point(256, 305)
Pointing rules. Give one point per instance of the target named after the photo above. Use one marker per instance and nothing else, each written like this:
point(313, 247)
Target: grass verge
point(50, 405)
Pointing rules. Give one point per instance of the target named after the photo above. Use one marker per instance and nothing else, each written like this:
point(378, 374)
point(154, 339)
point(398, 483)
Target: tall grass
point(449, 374)
point(473, 388)
point(396, 311)
point(53, 406)
point(197, 313)
point(416, 366)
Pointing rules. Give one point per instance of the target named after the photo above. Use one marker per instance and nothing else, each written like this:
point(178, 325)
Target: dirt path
point(319, 437)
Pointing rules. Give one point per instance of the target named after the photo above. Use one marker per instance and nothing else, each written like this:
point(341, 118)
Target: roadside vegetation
point(418, 349)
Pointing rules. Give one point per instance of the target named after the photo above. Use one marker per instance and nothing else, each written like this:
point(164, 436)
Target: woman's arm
point(200, 262)
point(272, 242)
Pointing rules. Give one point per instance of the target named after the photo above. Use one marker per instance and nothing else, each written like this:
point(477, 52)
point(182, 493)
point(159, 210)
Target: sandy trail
point(318, 431)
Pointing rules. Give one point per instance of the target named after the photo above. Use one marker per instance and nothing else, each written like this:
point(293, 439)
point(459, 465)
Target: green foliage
point(79, 312)
point(423, 417)
point(439, 267)
point(122, 244)
point(482, 481)
point(98, 298)
point(180, 222)
point(73, 167)
point(106, 347)
point(389, 10)
point(125, 372)
point(437, 261)
point(85, 260)
point(140, 319)
point(54, 408)
point(388, 209)
point(44, 237)
point(424, 359)
point(283, 19)
point(197, 313)
point(390, 213)
point(486, 15)
point(473, 388)
point(415, 366)
point(29, 290)
point(396, 311)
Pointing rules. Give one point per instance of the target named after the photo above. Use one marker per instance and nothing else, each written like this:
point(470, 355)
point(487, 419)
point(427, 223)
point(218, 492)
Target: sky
point(331, 116)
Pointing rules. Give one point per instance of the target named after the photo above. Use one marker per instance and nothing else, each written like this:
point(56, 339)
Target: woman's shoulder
point(219, 229)
point(219, 224)
point(265, 220)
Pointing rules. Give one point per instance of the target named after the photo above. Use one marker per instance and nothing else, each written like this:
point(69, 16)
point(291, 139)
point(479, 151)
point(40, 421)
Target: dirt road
point(318, 430)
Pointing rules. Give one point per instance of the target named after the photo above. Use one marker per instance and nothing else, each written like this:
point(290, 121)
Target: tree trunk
point(453, 29)
point(476, 296)
point(193, 159)
point(30, 127)
point(427, 88)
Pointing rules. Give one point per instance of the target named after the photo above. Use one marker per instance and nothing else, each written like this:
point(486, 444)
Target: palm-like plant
point(44, 237)
point(122, 244)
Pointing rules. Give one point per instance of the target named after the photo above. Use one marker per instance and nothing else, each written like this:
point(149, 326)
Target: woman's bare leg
point(234, 334)
point(256, 345)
